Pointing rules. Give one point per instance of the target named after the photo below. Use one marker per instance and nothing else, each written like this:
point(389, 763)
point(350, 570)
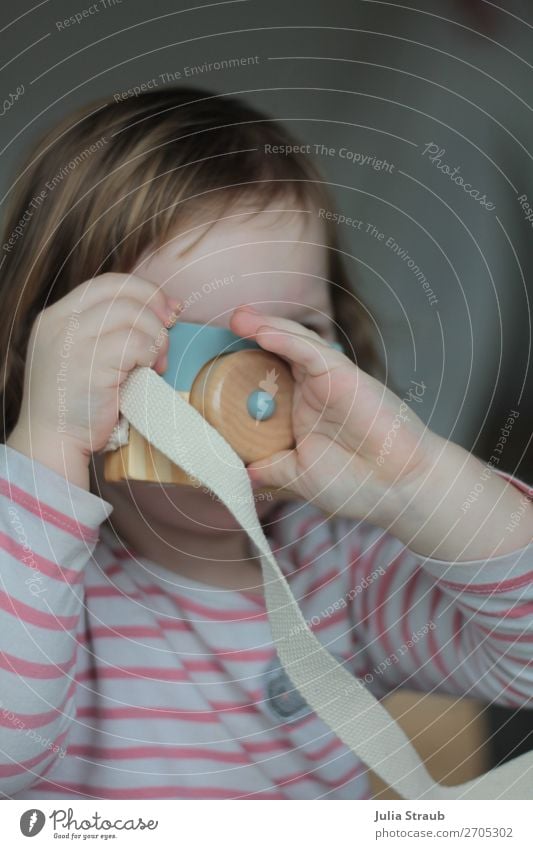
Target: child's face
point(274, 261)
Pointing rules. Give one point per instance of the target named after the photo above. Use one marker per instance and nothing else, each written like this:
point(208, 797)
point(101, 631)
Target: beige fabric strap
point(342, 701)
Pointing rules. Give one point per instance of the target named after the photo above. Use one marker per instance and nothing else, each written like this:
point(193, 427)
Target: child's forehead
point(276, 258)
point(278, 231)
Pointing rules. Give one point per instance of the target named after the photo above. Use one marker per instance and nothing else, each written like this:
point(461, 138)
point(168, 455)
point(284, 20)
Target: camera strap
point(340, 699)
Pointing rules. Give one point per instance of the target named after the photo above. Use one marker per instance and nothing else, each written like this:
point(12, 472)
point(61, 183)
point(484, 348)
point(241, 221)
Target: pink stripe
point(134, 631)
point(507, 638)
point(175, 625)
point(37, 720)
point(111, 591)
point(44, 511)
point(206, 716)
point(96, 712)
point(30, 669)
point(328, 749)
point(142, 673)
point(311, 559)
point(330, 621)
point(143, 752)
point(520, 661)
point(373, 552)
point(296, 724)
point(254, 598)
point(277, 745)
point(373, 594)
point(119, 632)
point(354, 564)
point(423, 673)
point(31, 560)
point(523, 699)
point(436, 651)
point(516, 612)
point(200, 665)
point(361, 608)
point(457, 626)
point(36, 617)
point(307, 526)
point(267, 746)
point(191, 664)
point(114, 569)
point(236, 707)
point(213, 614)
point(93, 673)
point(382, 607)
point(497, 587)
point(7, 770)
point(164, 792)
point(410, 593)
point(321, 582)
point(121, 553)
point(297, 777)
point(244, 655)
point(350, 775)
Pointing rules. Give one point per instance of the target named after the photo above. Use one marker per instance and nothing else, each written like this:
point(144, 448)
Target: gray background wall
point(379, 79)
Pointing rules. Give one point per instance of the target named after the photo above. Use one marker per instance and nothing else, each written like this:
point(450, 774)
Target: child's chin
point(199, 505)
point(214, 513)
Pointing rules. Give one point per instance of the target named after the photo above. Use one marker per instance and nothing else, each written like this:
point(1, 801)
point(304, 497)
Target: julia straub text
point(408, 815)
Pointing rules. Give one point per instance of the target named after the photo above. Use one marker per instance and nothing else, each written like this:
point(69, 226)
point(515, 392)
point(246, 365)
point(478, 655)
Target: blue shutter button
point(261, 405)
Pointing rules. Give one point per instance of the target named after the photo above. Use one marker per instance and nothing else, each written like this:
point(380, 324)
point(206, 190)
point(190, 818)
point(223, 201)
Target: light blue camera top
point(191, 346)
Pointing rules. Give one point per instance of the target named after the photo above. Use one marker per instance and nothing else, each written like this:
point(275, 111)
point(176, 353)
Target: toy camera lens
point(261, 405)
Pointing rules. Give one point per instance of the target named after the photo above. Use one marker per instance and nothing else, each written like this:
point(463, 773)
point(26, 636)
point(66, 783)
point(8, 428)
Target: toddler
point(136, 660)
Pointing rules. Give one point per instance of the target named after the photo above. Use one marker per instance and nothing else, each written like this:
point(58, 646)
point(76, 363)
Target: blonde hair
point(115, 179)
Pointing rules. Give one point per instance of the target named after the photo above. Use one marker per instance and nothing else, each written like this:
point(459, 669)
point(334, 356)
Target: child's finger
point(123, 313)
point(315, 356)
point(111, 285)
point(122, 350)
point(246, 321)
point(278, 471)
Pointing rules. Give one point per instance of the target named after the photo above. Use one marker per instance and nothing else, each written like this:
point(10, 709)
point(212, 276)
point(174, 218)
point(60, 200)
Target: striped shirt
point(120, 679)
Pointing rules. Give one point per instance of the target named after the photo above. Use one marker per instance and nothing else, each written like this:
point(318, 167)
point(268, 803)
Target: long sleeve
point(460, 628)
point(48, 530)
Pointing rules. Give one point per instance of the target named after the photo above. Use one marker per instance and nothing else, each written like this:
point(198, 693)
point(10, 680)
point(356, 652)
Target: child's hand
point(359, 448)
point(80, 350)
point(363, 453)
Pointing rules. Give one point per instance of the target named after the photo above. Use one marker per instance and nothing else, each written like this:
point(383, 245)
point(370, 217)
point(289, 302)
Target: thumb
point(277, 471)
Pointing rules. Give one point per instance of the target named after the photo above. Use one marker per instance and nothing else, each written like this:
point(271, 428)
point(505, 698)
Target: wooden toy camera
point(240, 389)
